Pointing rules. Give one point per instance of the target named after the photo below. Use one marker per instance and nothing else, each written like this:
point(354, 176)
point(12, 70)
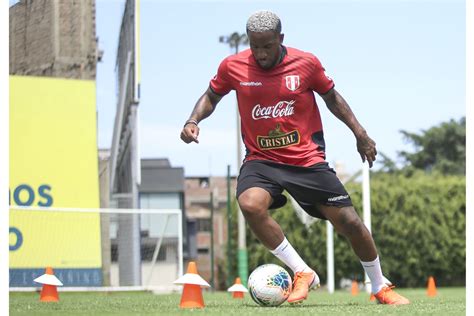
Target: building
point(198, 210)
point(162, 187)
point(165, 187)
point(53, 39)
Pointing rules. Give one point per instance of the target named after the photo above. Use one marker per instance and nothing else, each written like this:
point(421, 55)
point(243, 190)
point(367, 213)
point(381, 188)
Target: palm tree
point(235, 40)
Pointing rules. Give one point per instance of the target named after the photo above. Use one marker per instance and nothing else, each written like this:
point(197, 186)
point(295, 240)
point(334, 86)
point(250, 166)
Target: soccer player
point(285, 149)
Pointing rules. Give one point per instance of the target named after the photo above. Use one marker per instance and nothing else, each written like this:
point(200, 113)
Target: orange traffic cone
point(192, 293)
point(355, 288)
point(49, 292)
point(431, 291)
point(237, 289)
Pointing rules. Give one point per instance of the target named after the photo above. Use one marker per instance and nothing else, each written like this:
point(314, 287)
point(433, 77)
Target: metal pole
point(366, 209)
point(180, 243)
point(212, 238)
point(129, 224)
point(242, 254)
point(229, 231)
point(235, 40)
point(330, 256)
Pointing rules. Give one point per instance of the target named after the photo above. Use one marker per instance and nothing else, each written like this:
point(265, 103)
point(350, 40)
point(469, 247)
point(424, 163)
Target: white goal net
point(82, 246)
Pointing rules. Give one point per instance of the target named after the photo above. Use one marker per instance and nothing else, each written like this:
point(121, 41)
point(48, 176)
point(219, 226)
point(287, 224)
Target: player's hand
point(190, 133)
point(366, 149)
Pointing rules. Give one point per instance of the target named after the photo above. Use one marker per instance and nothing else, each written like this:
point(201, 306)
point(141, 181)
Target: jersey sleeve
point(220, 84)
point(320, 82)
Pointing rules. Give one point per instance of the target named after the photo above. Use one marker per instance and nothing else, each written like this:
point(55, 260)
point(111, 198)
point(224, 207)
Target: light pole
point(366, 209)
point(235, 40)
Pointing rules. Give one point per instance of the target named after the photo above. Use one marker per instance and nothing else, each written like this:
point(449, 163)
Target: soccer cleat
point(388, 296)
point(302, 283)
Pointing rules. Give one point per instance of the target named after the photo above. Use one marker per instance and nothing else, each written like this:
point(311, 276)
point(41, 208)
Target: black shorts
point(309, 186)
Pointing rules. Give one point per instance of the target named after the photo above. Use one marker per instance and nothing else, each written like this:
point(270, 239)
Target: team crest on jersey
point(292, 82)
point(278, 139)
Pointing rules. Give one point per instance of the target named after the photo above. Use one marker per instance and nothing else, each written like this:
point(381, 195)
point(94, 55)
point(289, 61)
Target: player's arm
point(339, 107)
point(203, 108)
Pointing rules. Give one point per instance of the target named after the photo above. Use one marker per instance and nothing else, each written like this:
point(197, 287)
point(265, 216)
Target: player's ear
point(282, 36)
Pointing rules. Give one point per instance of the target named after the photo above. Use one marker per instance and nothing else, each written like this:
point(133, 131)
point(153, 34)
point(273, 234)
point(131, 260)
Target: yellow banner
point(53, 163)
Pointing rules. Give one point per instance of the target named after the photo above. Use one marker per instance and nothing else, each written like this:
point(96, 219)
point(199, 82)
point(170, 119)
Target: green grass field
point(449, 301)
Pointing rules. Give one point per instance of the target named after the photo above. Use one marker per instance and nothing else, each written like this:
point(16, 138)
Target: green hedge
point(418, 223)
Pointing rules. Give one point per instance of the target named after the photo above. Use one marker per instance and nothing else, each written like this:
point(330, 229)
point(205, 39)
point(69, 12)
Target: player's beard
point(268, 64)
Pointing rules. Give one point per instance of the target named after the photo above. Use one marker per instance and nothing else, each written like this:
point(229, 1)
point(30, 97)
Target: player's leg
point(347, 222)
point(324, 196)
point(258, 190)
point(321, 194)
point(254, 203)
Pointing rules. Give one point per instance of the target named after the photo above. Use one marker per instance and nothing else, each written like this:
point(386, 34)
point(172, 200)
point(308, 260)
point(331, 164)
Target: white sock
point(286, 253)
point(374, 272)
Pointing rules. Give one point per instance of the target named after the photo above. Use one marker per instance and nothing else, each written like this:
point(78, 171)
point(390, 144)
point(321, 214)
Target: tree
point(441, 148)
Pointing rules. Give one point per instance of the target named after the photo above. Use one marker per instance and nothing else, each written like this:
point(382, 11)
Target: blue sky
point(399, 64)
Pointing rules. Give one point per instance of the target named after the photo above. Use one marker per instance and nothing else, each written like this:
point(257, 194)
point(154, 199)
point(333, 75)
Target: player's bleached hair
point(262, 21)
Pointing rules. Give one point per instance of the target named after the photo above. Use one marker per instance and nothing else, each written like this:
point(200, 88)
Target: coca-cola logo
point(281, 109)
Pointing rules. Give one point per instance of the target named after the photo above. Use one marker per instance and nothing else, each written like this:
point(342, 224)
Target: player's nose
point(261, 55)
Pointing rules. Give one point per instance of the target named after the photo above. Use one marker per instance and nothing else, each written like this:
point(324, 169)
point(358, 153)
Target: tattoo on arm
point(339, 107)
point(205, 105)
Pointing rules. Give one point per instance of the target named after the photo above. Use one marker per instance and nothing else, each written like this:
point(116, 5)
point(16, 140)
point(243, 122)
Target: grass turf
point(449, 301)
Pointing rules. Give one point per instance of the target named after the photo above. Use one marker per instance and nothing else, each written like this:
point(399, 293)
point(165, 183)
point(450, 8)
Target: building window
point(203, 251)
point(153, 224)
point(203, 225)
point(204, 182)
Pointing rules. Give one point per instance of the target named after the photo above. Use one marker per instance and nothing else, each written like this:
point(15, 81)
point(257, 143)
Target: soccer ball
point(269, 285)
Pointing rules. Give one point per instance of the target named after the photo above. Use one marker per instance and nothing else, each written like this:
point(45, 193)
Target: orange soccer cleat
point(302, 283)
point(388, 296)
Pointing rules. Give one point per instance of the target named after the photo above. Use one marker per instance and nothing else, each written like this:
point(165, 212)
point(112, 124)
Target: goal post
point(69, 240)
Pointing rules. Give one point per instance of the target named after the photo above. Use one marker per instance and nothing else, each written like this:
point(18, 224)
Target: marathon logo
point(277, 139)
point(338, 198)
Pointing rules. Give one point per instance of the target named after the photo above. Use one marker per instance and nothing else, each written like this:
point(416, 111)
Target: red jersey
point(280, 117)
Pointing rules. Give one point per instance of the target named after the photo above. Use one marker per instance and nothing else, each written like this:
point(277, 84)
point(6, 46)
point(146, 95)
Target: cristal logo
point(281, 109)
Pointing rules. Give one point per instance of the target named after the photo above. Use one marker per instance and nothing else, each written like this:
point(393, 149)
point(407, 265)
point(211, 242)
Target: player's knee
point(349, 224)
point(251, 206)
